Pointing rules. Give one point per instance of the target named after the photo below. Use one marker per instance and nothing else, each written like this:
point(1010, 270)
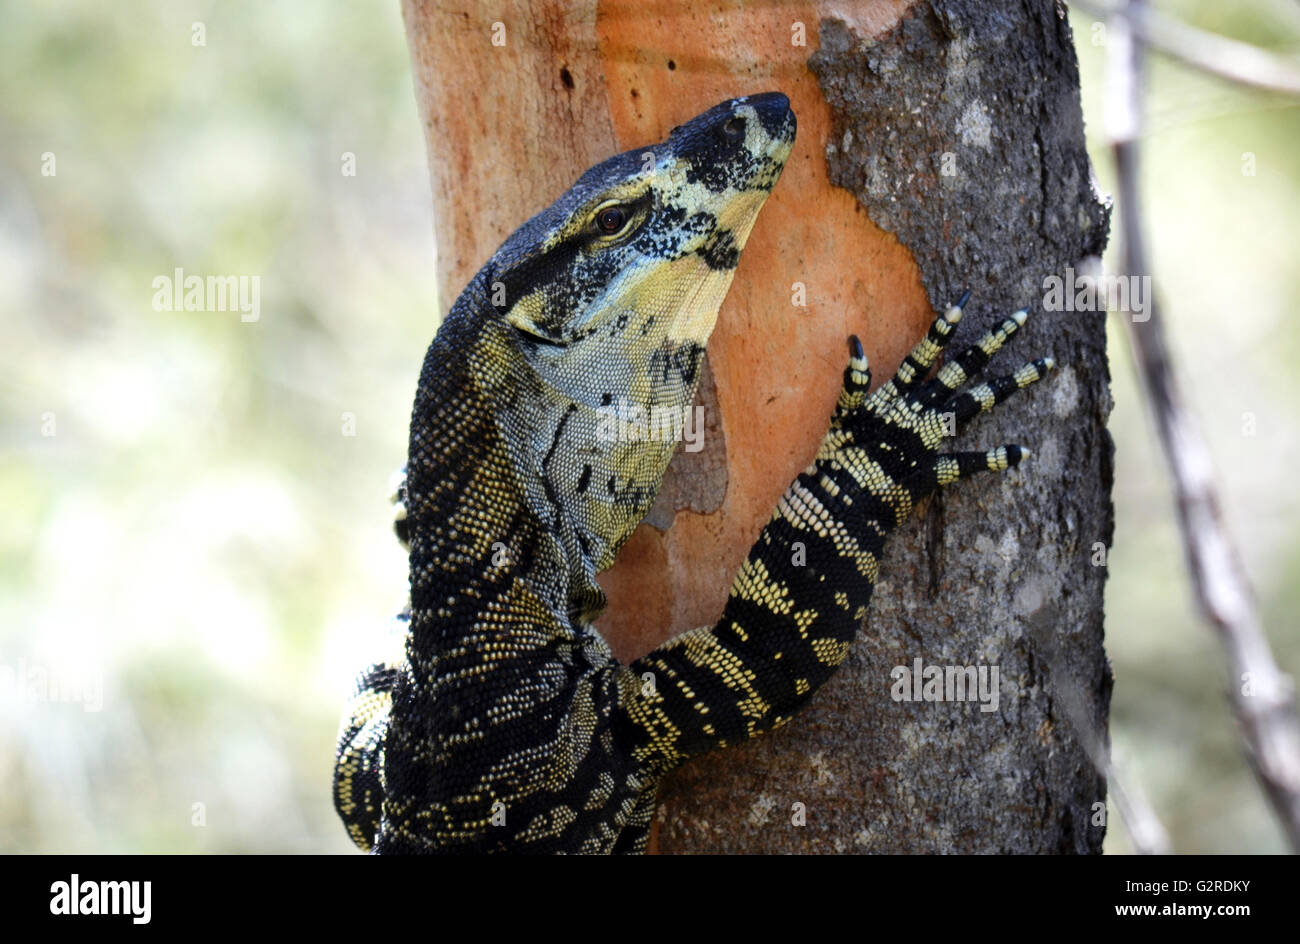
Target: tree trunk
point(940, 147)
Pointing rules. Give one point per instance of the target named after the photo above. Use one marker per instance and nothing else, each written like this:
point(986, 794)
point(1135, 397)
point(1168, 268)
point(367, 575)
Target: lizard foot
point(888, 441)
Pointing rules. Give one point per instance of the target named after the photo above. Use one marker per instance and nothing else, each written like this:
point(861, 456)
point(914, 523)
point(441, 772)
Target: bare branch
point(1263, 697)
point(1146, 833)
point(1209, 52)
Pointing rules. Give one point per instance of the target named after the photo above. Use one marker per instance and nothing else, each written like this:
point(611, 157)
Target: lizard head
point(602, 304)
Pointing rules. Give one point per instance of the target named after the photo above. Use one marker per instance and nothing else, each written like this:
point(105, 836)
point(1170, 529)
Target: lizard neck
point(473, 533)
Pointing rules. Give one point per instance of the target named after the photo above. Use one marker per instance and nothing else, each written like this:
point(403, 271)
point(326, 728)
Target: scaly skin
point(497, 719)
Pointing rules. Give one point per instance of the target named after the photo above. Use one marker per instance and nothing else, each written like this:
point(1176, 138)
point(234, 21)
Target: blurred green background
point(196, 533)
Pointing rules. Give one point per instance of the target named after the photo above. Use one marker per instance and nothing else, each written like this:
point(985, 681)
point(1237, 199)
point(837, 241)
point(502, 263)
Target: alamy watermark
point(631, 422)
point(181, 292)
point(79, 897)
point(1123, 293)
point(35, 682)
point(955, 683)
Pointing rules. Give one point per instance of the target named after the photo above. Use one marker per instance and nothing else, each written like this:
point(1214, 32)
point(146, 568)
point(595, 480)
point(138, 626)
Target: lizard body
point(498, 720)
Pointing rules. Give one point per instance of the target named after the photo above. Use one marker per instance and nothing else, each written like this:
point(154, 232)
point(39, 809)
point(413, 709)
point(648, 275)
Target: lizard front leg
point(799, 598)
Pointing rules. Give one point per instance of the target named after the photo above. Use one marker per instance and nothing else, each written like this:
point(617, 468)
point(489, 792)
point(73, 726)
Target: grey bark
point(960, 131)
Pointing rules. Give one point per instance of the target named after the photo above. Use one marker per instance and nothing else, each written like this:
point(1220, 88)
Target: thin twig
point(1263, 697)
point(1209, 52)
point(1146, 833)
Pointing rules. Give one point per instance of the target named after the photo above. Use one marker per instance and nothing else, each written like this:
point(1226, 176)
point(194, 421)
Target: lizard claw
point(857, 378)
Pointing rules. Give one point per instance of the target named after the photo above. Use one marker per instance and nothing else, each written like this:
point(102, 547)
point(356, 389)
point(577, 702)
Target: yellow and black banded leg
point(796, 605)
point(919, 361)
point(942, 395)
point(857, 378)
point(359, 759)
point(985, 396)
point(970, 362)
point(397, 497)
point(890, 446)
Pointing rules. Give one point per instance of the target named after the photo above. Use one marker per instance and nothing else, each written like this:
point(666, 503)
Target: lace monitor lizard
point(496, 719)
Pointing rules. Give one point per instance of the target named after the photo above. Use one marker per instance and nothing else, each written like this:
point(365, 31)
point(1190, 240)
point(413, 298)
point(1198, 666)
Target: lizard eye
point(734, 127)
point(611, 219)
